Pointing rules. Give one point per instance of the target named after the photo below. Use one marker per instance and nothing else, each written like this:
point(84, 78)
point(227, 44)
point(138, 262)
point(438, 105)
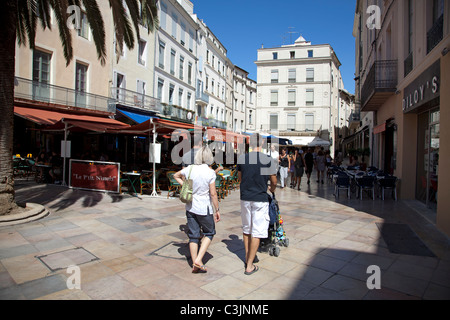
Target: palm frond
point(60, 10)
point(149, 14)
point(27, 18)
point(96, 23)
point(122, 26)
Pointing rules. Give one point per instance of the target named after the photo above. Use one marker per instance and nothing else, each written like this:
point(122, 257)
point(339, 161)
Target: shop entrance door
point(428, 158)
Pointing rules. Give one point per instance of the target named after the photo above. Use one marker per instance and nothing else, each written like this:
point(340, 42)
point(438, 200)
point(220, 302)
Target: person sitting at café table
point(41, 159)
point(354, 162)
point(55, 171)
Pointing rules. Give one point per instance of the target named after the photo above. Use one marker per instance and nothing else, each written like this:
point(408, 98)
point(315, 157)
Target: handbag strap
point(190, 172)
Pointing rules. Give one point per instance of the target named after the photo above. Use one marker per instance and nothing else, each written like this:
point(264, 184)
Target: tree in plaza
point(19, 22)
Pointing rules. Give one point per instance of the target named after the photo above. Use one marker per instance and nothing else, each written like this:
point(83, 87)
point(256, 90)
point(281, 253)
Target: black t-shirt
point(256, 169)
point(309, 159)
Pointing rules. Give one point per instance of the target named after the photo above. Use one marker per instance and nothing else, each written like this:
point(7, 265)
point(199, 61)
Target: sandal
point(198, 268)
point(251, 272)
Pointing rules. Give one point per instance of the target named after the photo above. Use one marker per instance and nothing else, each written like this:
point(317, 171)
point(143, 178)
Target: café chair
point(174, 186)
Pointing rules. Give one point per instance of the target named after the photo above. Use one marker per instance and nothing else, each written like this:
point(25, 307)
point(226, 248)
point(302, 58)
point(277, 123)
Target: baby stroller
point(276, 235)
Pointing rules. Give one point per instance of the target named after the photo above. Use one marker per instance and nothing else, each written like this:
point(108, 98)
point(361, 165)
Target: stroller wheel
point(276, 251)
point(286, 242)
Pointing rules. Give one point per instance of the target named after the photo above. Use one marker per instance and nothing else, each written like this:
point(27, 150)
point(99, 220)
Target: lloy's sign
point(424, 89)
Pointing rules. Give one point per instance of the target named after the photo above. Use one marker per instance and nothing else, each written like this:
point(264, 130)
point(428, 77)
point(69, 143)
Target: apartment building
point(298, 91)
point(402, 68)
point(211, 79)
point(176, 58)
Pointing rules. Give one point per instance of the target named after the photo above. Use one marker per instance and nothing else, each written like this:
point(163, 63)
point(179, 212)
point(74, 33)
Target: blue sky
point(242, 26)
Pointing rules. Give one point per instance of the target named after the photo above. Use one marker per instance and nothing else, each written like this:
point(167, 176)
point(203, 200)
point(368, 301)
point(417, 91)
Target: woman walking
point(299, 167)
point(320, 163)
point(292, 169)
point(201, 215)
point(284, 167)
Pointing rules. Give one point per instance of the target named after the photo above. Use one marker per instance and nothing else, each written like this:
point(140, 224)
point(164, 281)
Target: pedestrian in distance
point(284, 167)
point(255, 170)
point(203, 212)
point(320, 164)
point(309, 161)
point(299, 167)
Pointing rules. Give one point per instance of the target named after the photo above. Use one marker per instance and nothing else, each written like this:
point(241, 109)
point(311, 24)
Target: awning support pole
point(154, 193)
point(65, 153)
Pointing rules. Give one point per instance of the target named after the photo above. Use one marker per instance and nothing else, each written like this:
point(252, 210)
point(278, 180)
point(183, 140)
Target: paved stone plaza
point(136, 248)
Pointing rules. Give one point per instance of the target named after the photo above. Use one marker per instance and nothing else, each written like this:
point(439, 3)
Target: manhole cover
point(64, 259)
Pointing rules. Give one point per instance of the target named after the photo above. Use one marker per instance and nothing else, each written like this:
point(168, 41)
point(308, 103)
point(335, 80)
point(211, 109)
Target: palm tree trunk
point(8, 21)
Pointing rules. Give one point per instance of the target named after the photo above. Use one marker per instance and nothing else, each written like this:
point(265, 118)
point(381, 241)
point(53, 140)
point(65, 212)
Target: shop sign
point(94, 175)
point(424, 89)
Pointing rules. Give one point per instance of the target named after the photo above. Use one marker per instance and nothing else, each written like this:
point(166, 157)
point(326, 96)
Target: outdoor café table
point(45, 172)
point(134, 178)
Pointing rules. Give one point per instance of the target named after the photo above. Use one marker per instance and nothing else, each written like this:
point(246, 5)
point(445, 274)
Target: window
point(292, 76)
point(171, 90)
point(160, 89)
point(190, 73)
point(291, 121)
point(180, 97)
point(174, 26)
point(292, 54)
point(162, 47)
point(41, 74)
point(183, 34)
point(250, 116)
point(274, 122)
point(189, 95)
point(207, 84)
point(309, 122)
point(84, 27)
point(291, 97)
point(310, 53)
point(172, 62)
point(163, 16)
point(275, 55)
point(274, 76)
point(309, 74)
point(80, 84)
point(274, 97)
point(181, 68)
point(142, 52)
point(309, 97)
point(191, 41)
point(139, 99)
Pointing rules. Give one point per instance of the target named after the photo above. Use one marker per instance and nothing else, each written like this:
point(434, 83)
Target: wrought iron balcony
point(379, 85)
point(201, 98)
point(47, 93)
point(141, 101)
point(354, 119)
point(208, 122)
point(435, 34)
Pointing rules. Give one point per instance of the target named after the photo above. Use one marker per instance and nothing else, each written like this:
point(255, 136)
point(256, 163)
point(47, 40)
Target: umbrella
point(318, 142)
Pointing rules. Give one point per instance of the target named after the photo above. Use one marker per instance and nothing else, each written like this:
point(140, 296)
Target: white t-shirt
point(202, 176)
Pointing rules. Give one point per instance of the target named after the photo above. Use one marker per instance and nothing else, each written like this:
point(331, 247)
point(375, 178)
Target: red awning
point(55, 121)
point(39, 116)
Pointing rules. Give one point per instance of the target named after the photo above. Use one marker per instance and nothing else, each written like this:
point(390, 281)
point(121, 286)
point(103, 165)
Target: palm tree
point(19, 19)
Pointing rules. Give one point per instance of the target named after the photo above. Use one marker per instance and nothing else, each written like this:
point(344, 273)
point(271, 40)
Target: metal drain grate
point(63, 259)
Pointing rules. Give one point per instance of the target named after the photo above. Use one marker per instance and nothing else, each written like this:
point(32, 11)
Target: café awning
point(55, 121)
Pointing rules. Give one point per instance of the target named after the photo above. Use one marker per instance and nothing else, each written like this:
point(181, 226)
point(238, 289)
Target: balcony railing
point(212, 123)
point(141, 101)
point(382, 78)
point(435, 34)
point(47, 93)
point(201, 98)
point(298, 127)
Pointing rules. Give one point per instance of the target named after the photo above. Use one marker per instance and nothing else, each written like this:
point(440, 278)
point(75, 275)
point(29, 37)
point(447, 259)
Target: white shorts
point(255, 218)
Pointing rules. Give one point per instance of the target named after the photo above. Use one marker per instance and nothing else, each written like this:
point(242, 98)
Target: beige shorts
point(255, 218)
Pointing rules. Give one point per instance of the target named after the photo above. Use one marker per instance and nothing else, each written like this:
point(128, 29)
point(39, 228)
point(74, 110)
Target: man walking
point(255, 169)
